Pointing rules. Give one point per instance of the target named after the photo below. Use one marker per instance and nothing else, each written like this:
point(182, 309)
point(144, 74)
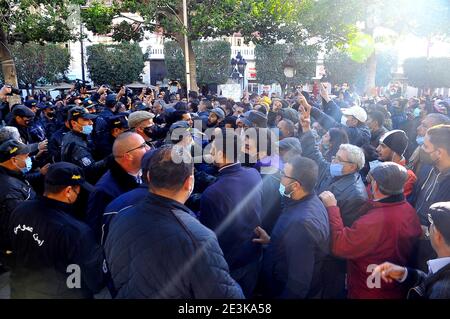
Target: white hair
point(354, 155)
point(8, 133)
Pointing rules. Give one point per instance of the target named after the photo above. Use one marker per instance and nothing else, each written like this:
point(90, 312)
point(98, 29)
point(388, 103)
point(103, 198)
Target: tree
point(115, 64)
point(33, 20)
point(426, 73)
point(270, 59)
point(425, 18)
point(40, 63)
point(325, 21)
point(341, 68)
point(213, 58)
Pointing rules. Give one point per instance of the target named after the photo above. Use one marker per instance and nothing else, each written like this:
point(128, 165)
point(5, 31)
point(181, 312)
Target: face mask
point(336, 169)
point(344, 120)
point(282, 190)
point(87, 129)
point(51, 115)
point(28, 166)
point(416, 112)
point(148, 131)
point(420, 140)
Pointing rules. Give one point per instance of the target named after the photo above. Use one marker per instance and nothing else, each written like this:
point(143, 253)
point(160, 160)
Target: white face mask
point(344, 120)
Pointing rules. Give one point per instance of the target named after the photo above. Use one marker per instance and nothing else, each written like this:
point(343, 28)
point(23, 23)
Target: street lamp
point(289, 67)
point(238, 64)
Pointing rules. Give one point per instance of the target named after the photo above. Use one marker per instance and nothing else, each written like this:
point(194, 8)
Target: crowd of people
point(163, 194)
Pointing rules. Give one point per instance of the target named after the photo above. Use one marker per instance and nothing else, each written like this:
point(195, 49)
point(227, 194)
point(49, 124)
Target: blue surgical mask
point(87, 129)
point(420, 140)
point(336, 169)
point(416, 112)
point(28, 166)
point(282, 190)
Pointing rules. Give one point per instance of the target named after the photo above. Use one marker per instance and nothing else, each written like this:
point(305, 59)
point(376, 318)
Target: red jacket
point(387, 232)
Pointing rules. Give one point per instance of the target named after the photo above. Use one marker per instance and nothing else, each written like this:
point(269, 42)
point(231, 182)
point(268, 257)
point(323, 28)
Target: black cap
point(111, 100)
point(46, 105)
point(22, 111)
point(118, 121)
point(258, 119)
point(88, 103)
point(31, 103)
point(79, 112)
point(11, 148)
point(66, 174)
point(440, 215)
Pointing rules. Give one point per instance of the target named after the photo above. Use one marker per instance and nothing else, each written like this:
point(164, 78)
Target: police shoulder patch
point(86, 161)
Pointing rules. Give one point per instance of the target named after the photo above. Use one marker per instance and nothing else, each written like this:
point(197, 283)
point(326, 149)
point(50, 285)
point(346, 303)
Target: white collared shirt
point(434, 265)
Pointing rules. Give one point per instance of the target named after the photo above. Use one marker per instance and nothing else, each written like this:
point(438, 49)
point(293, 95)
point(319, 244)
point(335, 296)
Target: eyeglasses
point(338, 159)
point(143, 145)
point(282, 174)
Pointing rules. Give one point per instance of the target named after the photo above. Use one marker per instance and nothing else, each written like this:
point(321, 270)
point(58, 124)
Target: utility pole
point(186, 48)
point(82, 51)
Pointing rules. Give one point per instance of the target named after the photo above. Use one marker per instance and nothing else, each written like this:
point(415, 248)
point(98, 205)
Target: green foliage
point(431, 73)
point(37, 20)
point(213, 61)
point(270, 59)
point(342, 68)
point(98, 17)
point(116, 64)
point(174, 60)
point(40, 63)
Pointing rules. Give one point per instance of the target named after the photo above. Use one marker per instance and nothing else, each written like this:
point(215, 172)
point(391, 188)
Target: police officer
point(14, 188)
point(47, 118)
point(55, 141)
point(117, 124)
point(75, 148)
point(54, 255)
point(21, 118)
point(37, 131)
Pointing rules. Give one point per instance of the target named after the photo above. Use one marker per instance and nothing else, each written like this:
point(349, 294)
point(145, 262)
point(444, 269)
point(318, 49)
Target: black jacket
point(114, 183)
point(431, 187)
point(46, 240)
point(14, 189)
point(75, 149)
point(156, 249)
point(55, 142)
point(434, 286)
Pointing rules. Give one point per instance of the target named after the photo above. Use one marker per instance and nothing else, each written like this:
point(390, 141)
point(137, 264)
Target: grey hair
point(354, 154)
point(8, 133)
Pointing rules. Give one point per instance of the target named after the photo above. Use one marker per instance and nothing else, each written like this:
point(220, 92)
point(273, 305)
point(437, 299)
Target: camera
point(13, 90)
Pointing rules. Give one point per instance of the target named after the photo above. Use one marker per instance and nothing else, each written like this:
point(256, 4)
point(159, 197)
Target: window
point(238, 42)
